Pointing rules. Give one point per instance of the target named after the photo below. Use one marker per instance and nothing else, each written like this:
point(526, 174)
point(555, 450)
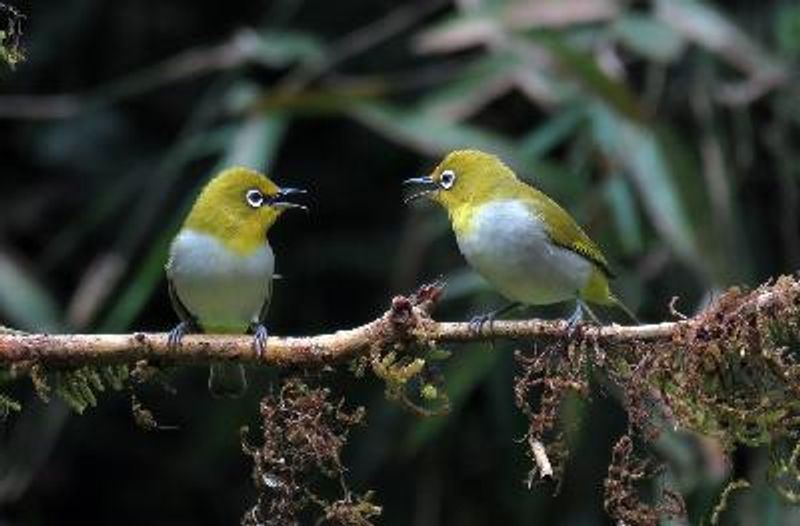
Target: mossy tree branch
point(407, 321)
point(731, 372)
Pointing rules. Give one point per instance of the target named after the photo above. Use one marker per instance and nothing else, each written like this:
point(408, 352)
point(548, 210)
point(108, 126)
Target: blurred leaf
point(334, 100)
point(111, 198)
point(557, 13)
point(24, 302)
point(130, 302)
point(585, 70)
point(104, 136)
point(649, 37)
point(281, 48)
point(549, 135)
point(703, 24)
point(637, 149)
point(457, 33)
point(787, 28)
point(27, 448)
point(476, 85)
point(623, 206)
point(488, 24)
point(429, 134)
point(255, 143)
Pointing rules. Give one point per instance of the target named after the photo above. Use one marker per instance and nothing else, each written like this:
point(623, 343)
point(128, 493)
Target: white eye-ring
point(254, 198)
point(447, 179)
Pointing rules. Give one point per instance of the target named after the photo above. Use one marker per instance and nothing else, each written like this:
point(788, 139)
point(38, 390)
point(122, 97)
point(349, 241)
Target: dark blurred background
point(669, 128)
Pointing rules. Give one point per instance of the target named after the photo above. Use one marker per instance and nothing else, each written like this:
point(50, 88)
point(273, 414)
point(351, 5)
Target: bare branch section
point(407, 322)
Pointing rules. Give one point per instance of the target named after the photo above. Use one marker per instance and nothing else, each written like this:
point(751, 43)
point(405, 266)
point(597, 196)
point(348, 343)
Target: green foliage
point(7, 406)
point(400, 372)
point(79, 388)
point(11, 51)
point(787, 25)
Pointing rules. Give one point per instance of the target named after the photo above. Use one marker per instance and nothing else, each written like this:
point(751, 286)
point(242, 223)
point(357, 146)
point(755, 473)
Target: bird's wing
point(564, 231)
point(262, 315)
point(180, 309)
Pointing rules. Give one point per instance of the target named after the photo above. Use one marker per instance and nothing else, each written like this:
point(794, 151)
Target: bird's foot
point(177, 334)
point(477, 322)
point(260, 335)
point(572, 322)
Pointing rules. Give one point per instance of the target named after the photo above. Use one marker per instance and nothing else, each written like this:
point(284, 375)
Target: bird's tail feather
point(227, 380)
point(615, 301)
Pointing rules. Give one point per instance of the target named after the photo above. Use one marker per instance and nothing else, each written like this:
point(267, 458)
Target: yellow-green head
point(468, 178)
point(238, 207)
point(464, 181)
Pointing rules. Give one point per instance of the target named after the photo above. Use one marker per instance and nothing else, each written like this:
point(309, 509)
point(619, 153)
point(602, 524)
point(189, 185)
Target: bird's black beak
point(279, 199)
point(427, 184)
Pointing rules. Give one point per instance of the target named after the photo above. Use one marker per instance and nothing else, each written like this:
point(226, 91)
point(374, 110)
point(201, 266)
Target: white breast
point(223, 290)
point(510, 248)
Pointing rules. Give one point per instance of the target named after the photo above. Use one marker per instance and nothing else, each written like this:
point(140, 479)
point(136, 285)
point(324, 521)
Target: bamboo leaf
point(428, 134)
point(638, 151)
point(583, 68)
point(649, 37)
point(24, 302)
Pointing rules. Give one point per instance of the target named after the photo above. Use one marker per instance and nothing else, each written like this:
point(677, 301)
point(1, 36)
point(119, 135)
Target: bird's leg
point(260, 334)
point(577, 316)
point(180, 330)
point(477, 322)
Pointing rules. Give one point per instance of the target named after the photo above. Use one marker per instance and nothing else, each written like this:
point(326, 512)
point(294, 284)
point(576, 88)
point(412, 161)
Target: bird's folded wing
point(262, 315)
point(180, 309)
point(565, 232)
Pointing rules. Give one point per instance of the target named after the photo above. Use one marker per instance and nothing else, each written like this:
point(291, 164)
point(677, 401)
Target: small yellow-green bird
point(521, 241)
point(220, 266)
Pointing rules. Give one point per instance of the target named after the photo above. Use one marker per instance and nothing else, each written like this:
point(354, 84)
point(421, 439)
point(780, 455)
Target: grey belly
point(223, 302)
point(512, 251)
point(224, 291)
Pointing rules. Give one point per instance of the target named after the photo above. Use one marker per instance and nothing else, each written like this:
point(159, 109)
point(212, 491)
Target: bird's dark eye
point(254, 198)
point(447, 179)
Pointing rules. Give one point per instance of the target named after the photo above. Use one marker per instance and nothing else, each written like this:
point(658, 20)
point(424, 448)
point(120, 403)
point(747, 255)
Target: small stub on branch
point(542, 461)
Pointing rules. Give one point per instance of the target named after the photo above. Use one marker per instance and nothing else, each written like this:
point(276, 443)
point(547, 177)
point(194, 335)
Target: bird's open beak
point(279, 200)
point(427, 184)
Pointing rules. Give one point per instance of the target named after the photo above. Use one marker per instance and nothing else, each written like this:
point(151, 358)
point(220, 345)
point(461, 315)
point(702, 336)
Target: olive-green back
point(562, 229)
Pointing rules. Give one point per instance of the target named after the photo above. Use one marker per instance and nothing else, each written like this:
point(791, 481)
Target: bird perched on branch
point(220, 266)
point(521, 241)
